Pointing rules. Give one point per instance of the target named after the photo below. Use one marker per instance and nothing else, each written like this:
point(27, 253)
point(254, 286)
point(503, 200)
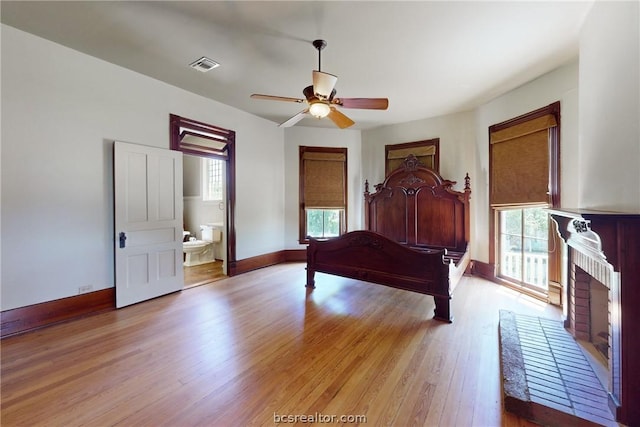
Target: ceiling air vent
point(204, 64)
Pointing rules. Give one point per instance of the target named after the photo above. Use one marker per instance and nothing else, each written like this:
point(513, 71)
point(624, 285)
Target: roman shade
point(520, 163)
point(324, 179)
point(424, 154)
point(425, 151)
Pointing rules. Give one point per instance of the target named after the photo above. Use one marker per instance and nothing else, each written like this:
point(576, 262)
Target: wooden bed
point(416, 237)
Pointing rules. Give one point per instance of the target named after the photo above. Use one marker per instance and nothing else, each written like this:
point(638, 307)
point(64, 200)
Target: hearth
point(602, 297)
point(547, 377)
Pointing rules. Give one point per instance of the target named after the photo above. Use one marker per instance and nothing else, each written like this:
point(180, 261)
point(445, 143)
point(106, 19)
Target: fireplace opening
point(589, 313)
point(599, 317)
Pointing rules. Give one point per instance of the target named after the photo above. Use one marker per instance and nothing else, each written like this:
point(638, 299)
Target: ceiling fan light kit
point(321, 98)
point(319, 109)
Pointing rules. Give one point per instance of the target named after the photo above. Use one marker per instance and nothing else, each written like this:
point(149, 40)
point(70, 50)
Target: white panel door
point(148, 222)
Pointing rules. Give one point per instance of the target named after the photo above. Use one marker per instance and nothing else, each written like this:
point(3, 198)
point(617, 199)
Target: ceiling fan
point(321, 98)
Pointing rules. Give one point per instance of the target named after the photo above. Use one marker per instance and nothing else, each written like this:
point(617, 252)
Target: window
point(427, 153)
point(523, 180)
point(323, 192)
point(212, 179)
point(324, 223)
point(524, 246)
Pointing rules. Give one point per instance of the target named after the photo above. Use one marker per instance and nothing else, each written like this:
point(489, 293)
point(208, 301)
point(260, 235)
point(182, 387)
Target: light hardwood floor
point(202, 274)
point(248, 349)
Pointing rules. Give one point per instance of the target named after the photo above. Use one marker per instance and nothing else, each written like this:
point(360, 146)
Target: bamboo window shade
point(324, 179)
point(520, 162)
point(424, 154)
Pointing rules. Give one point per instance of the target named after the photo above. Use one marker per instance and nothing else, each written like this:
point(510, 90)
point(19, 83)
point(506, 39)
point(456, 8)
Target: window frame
point(434, 142)
point(520, 282)
point(554, 196)
point(324, 211)
point(303, 237)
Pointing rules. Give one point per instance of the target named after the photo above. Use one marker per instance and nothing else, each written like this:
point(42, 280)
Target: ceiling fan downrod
point(319, 45)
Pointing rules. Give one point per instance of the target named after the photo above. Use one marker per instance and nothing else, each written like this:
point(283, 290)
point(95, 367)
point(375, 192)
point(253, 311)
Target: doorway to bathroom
point(209, 199)
point(203, 219)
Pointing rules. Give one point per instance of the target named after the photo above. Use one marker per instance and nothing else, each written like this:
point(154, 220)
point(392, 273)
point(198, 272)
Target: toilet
point(198, 251)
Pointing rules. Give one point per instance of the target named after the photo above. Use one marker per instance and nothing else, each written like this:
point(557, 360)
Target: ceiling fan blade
point(276, 98)
point(363, 103)
point(340, 119)
point(323, 83)
point(295, 119)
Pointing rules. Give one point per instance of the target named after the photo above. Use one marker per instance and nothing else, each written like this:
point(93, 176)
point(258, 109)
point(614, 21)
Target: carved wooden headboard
point(417, 207)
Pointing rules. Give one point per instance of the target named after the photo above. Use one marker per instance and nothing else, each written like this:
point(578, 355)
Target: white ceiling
point(429, 58)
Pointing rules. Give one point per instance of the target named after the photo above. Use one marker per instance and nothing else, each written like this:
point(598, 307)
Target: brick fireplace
point(589, 303)
point(601, 300)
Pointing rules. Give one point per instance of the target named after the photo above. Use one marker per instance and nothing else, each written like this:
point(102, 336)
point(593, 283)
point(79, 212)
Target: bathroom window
point(212, 182)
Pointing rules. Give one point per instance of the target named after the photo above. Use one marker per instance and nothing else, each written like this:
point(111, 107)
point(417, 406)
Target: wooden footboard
point(372, 257)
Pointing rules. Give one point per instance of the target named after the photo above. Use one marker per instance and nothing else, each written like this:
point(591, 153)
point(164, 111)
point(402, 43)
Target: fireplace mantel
point(580, 225)
point(613, 238)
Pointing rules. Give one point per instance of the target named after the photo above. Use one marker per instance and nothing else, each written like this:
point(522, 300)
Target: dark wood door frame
point(222, 148)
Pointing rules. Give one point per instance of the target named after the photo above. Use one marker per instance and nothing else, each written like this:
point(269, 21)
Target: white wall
point(192, 176)
point(609, 175)
point(321, 137)
point(61, 111)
